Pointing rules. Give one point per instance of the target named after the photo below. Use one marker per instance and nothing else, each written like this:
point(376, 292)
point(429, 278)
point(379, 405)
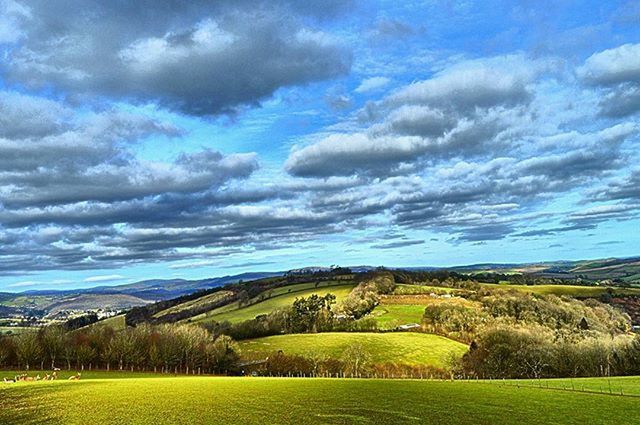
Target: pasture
point(570, 290)
point(398, 347)
point(204, 301)
point(396, 310)
point(116, 323)
point(278, 298)
point(222, 400)
point(12, 330)
point(390, 316)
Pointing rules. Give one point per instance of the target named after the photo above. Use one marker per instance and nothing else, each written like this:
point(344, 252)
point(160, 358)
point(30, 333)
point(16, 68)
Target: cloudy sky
point(165, 138)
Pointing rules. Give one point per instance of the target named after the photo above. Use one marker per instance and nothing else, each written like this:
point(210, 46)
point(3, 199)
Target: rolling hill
point(95, 301)
point(398, 347)
point(274, 299)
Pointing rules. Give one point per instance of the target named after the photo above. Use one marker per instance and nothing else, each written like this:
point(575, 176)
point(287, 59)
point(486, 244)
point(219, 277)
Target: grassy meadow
point(224, 400)
point(205, 300)
point(12, 330)
point(390, 316)
point(400, 347)
point(570, 290)
point(279, 298)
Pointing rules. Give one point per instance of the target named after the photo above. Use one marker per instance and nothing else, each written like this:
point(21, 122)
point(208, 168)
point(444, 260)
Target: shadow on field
point(20, 406)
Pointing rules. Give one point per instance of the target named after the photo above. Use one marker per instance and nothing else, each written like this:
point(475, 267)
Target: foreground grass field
point(280, 298)
point(211, 400)
point(398, 347)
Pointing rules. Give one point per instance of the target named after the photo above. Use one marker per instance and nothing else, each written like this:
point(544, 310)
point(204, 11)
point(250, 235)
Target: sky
point(174, 139)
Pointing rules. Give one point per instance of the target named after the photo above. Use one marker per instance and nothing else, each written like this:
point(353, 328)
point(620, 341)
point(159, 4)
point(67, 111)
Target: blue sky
point(197, 139)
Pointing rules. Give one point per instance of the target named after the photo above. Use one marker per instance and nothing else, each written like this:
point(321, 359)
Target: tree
point(223, 354)
point(193, 340)
point(28, 349)
point(355, 358)
point(307, 313)
point(53, 341)
point(122, 347)
point(6, 350)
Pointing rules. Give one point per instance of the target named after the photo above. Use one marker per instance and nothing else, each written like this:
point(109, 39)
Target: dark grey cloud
point(24, 116)
point(75, 195)
point(601, 213)
point(609, 243)
point(487, 232)
point(555, 230)
point(398, 244)
point(197, 57)
point(617, 72)
point(90, 159)
point(622, 101)
point(623, 189)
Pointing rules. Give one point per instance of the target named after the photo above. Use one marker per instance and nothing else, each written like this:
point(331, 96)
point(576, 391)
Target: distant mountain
point(157, 289)
point(123, 296)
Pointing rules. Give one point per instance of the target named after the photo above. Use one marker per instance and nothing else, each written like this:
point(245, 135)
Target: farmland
point(9, 330)
point(218, 400)
point(570, 290)
point(390, 316)
point(406, 347)
point(279, 298)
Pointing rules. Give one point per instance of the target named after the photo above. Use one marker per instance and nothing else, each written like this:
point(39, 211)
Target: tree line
point(162, 348)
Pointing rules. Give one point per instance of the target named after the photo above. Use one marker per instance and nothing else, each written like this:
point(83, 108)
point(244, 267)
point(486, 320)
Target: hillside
point(404, 348)
point(209, 301)
point(273, 300)
point(93, 301)
point(570, 290)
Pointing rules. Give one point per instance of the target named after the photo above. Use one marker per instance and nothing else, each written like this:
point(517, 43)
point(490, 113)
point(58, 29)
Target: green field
point(115, 322)
point(12, 330)
point(397, 347)
point(390, 316)
point(213, 400)
point(202, 301)
point(571, 290)
point(280, 298)
point(31, 301)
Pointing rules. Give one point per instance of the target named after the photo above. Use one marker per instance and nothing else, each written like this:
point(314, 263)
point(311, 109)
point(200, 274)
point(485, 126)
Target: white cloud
point(612, 66)
point(23, 284)
point(372, 84)
point(104, 278)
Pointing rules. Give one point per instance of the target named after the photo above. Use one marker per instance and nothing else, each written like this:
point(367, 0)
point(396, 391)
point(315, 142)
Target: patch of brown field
point(530, 269)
